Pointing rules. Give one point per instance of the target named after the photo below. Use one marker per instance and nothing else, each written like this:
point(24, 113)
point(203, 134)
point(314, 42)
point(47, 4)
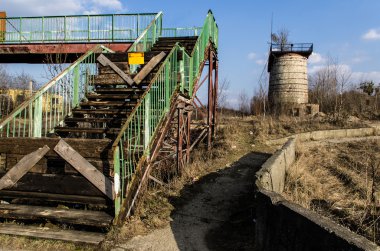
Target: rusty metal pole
point(215, 115)
point(179, 141)
point(188, 138)
point(210, 99)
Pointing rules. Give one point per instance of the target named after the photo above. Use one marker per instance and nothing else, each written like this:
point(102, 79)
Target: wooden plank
point(92, 174)
point(52, 233)
point(56, 184)
point(69, 216)
point(51, 197)
point(22, 167)
point(106, 62)
point(148, 67)
point(88, 148)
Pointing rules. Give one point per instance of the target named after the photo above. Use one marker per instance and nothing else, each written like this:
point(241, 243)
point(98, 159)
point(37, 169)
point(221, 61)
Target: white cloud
point(372, 34)
point(251, 55)
point(315, 68)
point(109, 4)
point(59, 7)
point(358, 77)
point(261, 61)
point(316, 58)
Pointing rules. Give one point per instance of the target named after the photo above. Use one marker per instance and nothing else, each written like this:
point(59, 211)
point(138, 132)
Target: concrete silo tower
point(288, 83)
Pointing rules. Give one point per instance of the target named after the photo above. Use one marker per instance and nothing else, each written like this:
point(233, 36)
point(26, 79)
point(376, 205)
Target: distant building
point(288, 83)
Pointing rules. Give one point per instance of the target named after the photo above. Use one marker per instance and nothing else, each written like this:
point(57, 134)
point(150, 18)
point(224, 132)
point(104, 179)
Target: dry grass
point(273, 128)
point(339, 180)
point(24, 243)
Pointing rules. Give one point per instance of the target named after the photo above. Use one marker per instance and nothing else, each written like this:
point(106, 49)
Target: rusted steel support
point(210, 100)
point(180, 141)
point(188, 134)
point(215, 111)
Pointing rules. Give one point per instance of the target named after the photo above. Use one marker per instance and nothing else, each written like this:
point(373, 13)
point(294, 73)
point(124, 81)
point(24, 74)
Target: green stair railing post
point(88, 27)
point(76, 86)
point(20, 29)
point(167, 87)
point(37, 120)
point(182, 69)
point(147, 118)
point(113, 24)
point(191, 77)
point(43, 30)
point(64, 28)
point(30, 113)
point(116, 161)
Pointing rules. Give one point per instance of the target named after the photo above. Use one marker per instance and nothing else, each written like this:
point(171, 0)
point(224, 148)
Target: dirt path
point(214, 213)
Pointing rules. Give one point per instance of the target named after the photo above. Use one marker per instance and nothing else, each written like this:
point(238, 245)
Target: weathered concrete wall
point(284, 225)
point(329, 134)
point(272, 174)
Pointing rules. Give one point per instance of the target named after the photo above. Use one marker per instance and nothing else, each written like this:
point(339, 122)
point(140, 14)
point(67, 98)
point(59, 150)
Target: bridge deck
point(37, 53)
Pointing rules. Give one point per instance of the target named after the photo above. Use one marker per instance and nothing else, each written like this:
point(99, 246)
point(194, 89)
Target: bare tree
point(223, 88)
point(54, 64)
point(243, 103)
point(327, 86)
point(281, 37)
point(5, 77)
point(22, 80)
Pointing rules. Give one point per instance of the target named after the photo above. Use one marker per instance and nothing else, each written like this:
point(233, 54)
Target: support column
point(210, 100)
point(215, 112)
point(179, 141)
point(188, 138)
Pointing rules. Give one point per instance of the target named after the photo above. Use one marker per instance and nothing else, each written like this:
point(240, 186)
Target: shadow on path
point(216, 212)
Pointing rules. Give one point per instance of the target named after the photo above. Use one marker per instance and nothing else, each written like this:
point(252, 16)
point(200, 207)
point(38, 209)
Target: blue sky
point(348, 31)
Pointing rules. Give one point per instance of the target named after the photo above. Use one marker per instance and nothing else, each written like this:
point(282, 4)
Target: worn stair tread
point(122, 111)
point(95, 120)
point(87, 129)
point(121, 90)
point(52, 233)
point(112, 96)
point(109, 103)
point(70, 216)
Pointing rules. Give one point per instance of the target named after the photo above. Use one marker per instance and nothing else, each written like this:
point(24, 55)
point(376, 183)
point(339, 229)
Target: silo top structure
point(288, 84)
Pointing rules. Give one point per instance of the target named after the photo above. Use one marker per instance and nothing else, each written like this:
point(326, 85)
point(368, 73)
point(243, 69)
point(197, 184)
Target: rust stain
point(58, 48)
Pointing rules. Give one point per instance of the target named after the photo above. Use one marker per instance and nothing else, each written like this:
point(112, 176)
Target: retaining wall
point(284, 225)
point(329, 134)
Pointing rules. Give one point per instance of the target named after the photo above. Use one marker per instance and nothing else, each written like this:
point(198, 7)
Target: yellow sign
point(136, 58)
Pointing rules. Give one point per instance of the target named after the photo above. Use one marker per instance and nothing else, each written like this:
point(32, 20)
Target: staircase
point(106, 109)
point(98, 132)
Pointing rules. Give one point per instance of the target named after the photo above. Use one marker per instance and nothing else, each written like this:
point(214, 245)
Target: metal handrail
point(136, 137)
point(149, 36)
point(181, 32)
point(74, 28)
point(47, 108)
point(292, 47)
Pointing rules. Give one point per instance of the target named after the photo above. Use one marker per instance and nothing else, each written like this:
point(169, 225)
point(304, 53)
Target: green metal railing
point(79, 28)
point(47, 108)
point(134, 142)
point(149, 36)
point(181, 32)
